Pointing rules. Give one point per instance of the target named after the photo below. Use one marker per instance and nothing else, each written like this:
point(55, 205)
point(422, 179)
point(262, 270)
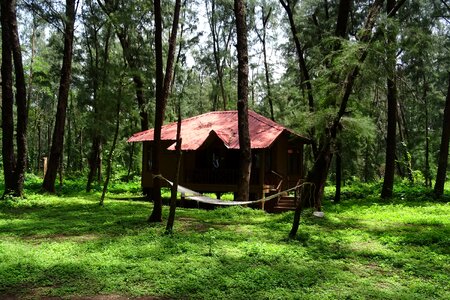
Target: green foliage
point(70, 247)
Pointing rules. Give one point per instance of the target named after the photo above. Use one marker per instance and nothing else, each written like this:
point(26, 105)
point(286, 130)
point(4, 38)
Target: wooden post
point(262, 167)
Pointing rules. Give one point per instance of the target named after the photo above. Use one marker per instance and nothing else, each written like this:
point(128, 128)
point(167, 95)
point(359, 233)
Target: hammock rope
point(193, 195)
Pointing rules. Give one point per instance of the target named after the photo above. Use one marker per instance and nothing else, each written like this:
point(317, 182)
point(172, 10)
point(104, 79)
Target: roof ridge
point(202, 115)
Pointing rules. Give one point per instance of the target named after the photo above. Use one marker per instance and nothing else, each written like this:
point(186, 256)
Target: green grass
point(364, 248)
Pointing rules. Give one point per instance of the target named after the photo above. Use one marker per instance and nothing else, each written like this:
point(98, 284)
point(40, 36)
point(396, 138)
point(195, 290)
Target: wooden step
point(285, 203)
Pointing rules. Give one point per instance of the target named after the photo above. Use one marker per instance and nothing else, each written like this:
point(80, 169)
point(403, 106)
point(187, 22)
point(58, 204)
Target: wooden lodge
point(210, 160)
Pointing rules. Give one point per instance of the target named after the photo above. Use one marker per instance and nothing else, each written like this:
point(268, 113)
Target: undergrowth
point(68, 246)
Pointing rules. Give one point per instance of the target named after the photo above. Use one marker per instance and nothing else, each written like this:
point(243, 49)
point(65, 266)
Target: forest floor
point(364, 248)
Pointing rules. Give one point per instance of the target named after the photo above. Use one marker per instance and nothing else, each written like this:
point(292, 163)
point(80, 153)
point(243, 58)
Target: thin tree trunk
point(174, 189)
point(304, 73)
point(216, 52)
point(162, 94)
point(93, 162)
point(338, 161)
point(69, 142)
point(443, 150)
point(113, 147)
point(80, 166)
point(405, 152)
point(242, 105)
point(64, 86)
point(427, 136)
point(262, 39)
point(22, 110)
point(30, 73)
point(306, 79)
point(389, 170)
point(39, 152)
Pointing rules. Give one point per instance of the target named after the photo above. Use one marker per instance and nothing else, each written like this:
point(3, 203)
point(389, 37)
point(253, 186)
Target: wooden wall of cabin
point(168, 164)
point(287, 160)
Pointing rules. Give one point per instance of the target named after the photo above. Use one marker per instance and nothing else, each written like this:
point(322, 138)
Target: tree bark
point(7, 99)
point(63, 95)
point(163, 83)
point(427, 135)
point(113, 147)
point(242, 105)
point(306, 79)
point(174, 189)
point(14, 167)
point(338, 161)
point(21, 105)
point(389, 170)
point(93, 161)
point(443, 150)
point(343, 16)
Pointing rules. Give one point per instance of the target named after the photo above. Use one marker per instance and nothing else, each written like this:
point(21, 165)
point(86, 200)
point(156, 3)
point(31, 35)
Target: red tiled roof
point(224, 124)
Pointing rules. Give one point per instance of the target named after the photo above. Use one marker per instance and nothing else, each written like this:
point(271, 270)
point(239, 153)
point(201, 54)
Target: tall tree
point(316, 178)
point(221, 34)
point(97, 39)
point(13, 166)
point(262, 36)
point(289, 7)
point(389, 170)
point(63, 96)
point(124, 18)
point(242, 104)
point(163, 83)
point(443, 152)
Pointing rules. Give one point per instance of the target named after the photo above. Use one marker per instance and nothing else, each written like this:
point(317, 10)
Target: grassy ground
point(68, 246)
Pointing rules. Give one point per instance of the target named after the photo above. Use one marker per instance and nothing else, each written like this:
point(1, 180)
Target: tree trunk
point(304, 73)
point(174, 189)
point(162, 94)
point(306, 80)
point(443, 150)
point(406, 154)
point(216, 52)
point(338, 161)
point(21, 105)
point(242, 105)
point(14, 172)
point(389, 171)
point(64, 86)
point(312, 190)
point(343, 16)
point(39, 146)
point(7, 99)
point(93, 161)
point(427, 135)
point(113, 147)
point(262, 39)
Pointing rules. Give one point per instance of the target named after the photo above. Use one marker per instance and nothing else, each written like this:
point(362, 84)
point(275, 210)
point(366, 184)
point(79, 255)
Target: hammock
point(193, 195)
